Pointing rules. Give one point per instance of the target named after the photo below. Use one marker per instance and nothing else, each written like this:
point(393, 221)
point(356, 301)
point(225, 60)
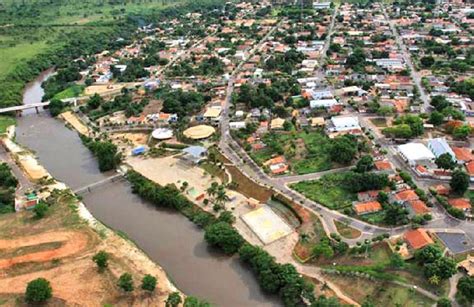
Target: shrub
point(38, 291)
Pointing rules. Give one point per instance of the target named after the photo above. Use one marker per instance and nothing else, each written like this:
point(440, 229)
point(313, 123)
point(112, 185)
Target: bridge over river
point(18, 109)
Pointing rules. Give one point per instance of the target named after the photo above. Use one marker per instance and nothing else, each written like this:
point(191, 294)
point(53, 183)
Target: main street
point(415, 75)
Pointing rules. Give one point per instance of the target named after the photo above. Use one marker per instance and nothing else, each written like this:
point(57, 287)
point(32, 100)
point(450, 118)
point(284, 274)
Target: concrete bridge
point(19, 109)
point(88, 188)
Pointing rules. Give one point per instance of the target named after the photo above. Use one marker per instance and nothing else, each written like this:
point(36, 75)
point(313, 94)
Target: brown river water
point(167, 237)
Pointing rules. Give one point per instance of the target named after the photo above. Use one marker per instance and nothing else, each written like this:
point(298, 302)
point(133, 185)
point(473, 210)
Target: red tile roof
point(367, 207)
point(418, 238)
point(419, 207)
point(460, 203)
point(463, 153)
point(383, 165)
point(470, 168)
point(406, 195)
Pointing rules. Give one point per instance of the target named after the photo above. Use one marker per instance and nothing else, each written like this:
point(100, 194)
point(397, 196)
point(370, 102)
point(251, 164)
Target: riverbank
point(68, 215)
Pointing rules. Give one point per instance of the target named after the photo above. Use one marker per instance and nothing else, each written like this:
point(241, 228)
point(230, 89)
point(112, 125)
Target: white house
point(415, 153)
point(439, 146)
point(344, 123)
point(237, 125)
point(323, 103)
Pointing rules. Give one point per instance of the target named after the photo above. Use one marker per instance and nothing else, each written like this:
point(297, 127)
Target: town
point(333, 137)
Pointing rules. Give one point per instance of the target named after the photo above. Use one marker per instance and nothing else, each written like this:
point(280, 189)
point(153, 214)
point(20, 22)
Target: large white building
point(439, 146)
point(344, 123)
point(415, 153)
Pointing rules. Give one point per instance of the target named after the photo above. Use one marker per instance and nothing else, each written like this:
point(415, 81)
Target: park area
point(306, 151)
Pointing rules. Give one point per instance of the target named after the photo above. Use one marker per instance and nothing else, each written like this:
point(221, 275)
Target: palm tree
point(221, 196)
point(212, 190)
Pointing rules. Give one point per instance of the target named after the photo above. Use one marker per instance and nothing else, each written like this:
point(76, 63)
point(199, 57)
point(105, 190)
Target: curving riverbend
point(167, 237)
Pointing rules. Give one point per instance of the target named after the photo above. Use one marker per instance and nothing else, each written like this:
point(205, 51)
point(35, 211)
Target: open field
point(347, 231)
point(327, 191)
point(59, 247)
point(5, 122)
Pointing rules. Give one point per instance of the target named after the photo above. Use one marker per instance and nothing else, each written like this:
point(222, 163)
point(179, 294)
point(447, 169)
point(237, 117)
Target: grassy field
point(33, 27)
point(327, 191)
point(72, 91)
point(6, 121)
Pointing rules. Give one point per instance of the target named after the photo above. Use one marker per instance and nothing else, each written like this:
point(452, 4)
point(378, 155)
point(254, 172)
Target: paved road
point(407, 58)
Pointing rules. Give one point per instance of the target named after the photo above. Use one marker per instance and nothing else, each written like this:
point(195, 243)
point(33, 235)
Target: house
point(194, 154)
point(237, 125)
point(277, 165)
point(439, 146)
point(441, 189)
point(415, 153)
point(467, 265)
point(367, 207)
point(417, 207)
point(470, 170)
point(317, 122)
point(404, 196)
point(321, 5)
point(323, 103)
point(460, 203)
point(463, 154)
point(344, 123)
point(418, 238)
point(383, 165)
point(277, 123)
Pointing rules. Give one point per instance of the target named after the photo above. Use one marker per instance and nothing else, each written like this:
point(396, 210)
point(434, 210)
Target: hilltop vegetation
point(36, 35)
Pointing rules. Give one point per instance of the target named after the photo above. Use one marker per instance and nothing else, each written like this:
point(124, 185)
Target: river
point(167, 237)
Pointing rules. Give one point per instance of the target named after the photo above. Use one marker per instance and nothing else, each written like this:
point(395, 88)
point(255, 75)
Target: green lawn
point(328, 191)
point(6, 121)
point(72, 91)
point(13, 54)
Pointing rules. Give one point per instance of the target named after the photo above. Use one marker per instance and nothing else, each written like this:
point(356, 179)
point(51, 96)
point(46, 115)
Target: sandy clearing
point(75, 122)
point(33, 169)
point(74, 242)
point(102, 89)
point(171, 170)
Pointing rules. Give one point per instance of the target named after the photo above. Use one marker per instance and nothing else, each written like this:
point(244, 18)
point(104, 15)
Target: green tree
point(396, 261)
point(101, 259)
point(40, 210)
point(443, 267)
point(461, 133)
point(459, 182)
point(342, 150)
point(56, 106)
point(443, 302)
point(428, 254)
point(224, 236)
point(323, 301)
point(466, 288)
point(149, 283)
point(365, 164)
point(38, 291)
point(323, 248)
point(427, 61)
point(445, 161)
point(173, 300)
point(192, 301)
point(439, 103)
point(436, 118)
point(125, 282)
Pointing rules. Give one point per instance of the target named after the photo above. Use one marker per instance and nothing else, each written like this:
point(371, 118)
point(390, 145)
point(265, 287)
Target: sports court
point(266, 224)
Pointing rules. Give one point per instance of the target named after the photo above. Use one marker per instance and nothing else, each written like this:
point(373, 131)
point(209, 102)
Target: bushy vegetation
point(8, 184)
point(106, 152)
